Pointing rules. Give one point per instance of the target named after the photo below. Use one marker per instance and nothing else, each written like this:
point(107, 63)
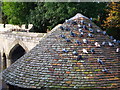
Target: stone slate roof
point(52, 62)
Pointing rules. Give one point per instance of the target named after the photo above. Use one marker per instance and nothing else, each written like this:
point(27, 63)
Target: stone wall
point(8, 40)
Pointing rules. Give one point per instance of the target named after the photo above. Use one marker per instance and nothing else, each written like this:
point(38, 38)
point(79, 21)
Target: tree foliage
point(112, 23)
point(47, 15)
point(17, 12)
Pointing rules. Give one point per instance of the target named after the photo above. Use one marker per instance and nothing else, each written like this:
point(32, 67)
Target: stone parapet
point(23, 36)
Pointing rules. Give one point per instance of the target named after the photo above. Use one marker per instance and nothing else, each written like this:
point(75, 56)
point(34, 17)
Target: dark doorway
point(4, 61)
point(16, 52)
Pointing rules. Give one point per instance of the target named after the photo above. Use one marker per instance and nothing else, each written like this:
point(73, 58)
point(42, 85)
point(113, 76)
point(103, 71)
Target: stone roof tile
point(46, 65)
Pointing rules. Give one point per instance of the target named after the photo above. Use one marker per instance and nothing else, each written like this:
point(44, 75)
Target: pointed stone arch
point(17, 49)
point(17, 42)
point(16, 52)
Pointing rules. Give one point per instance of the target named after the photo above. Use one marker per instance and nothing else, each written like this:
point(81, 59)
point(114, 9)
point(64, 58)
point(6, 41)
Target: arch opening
point(16, 52)
point(4, 61)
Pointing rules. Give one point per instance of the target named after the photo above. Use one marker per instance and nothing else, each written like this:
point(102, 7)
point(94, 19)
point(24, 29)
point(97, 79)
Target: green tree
point(47, 15)
point(93, 9)
point(17, 12)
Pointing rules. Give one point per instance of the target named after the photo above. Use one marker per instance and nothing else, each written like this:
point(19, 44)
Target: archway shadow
point(16, 52)
point(4, 61)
